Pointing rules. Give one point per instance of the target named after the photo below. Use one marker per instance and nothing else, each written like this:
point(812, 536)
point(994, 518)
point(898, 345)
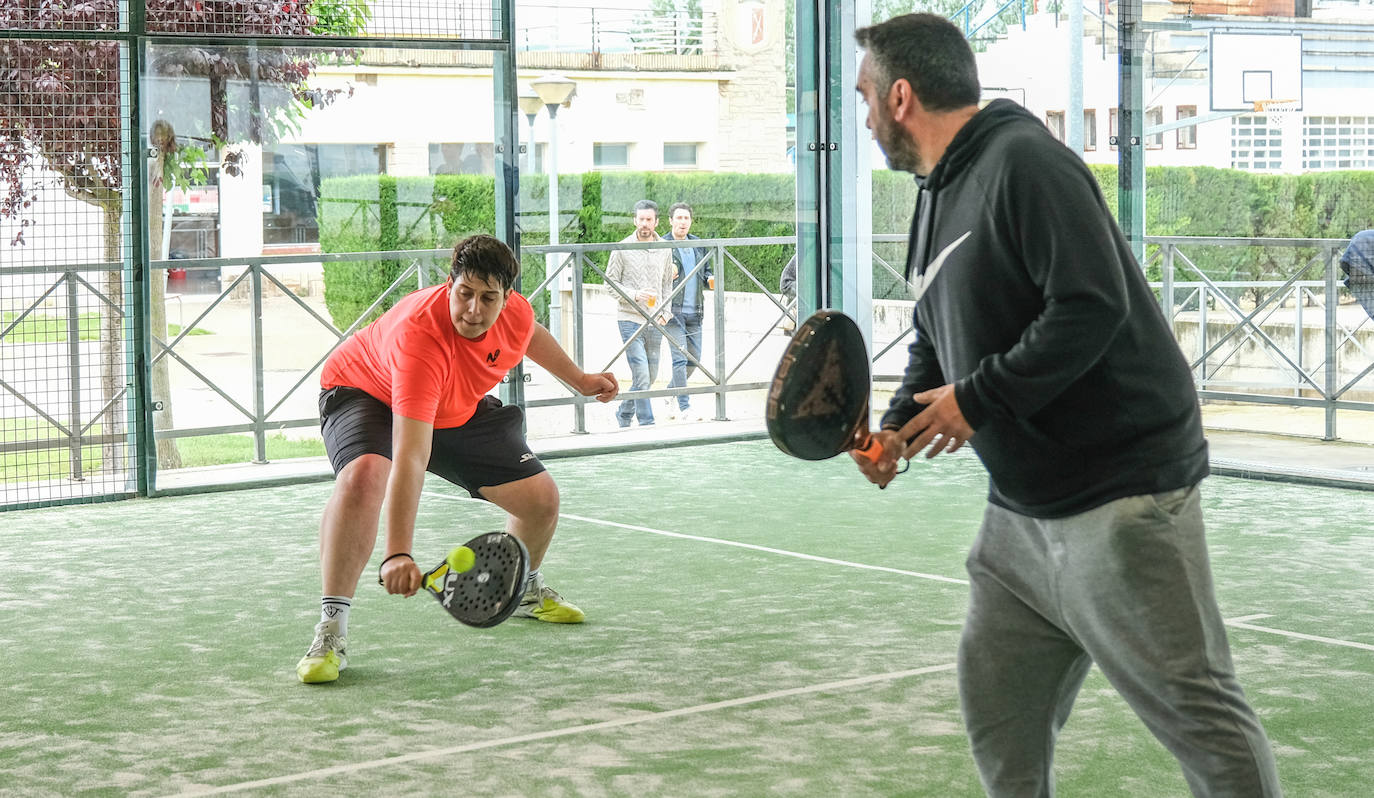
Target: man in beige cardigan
point(646, 276)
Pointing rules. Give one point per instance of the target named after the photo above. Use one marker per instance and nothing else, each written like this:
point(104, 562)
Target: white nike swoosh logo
point(921, 282)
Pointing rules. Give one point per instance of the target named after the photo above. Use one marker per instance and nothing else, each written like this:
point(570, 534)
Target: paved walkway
point(1255, 442)
point(1285, 444)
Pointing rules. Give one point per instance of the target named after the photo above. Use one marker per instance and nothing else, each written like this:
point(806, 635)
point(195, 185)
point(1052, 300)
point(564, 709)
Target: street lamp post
point(553, 91)
point(529, 106)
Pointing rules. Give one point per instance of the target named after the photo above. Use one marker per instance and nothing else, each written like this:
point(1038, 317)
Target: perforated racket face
point(819, 395)
point(487, 593)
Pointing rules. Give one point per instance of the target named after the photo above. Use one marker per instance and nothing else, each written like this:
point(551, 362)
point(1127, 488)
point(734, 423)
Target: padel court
point(756, 626)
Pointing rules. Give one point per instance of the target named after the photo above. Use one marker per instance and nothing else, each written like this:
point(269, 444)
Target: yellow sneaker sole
point(552, 612)
point(318, 670)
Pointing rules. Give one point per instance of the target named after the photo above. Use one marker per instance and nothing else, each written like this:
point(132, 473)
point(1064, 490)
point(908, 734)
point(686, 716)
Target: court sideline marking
point(566, 731)
point(722, 541)
point(1243, 623)
point(1238, 623)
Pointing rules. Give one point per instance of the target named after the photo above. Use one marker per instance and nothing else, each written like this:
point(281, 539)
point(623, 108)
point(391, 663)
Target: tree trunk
point(168, 456)
point(113, 380)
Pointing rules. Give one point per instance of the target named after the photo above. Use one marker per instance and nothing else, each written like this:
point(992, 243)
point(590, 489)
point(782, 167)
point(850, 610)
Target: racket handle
point(870, 449)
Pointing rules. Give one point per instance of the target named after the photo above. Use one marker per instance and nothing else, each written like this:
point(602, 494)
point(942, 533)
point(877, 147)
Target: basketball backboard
point(1246, 68)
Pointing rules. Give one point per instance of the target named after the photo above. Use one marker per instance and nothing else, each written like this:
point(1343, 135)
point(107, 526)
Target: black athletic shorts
point(490, 449)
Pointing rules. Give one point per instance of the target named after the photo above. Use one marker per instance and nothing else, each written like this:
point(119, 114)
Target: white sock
point(532, 582)
point(335, 608)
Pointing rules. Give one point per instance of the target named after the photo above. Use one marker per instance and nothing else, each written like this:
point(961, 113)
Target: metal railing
point(614, 30)
point(289, 404)
point(1291, 339)
point(1270, 319)
point(722, 376)
point(974, 16)
point(80, 417)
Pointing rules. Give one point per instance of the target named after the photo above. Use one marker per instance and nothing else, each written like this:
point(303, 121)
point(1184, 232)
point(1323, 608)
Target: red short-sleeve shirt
point(414, 361)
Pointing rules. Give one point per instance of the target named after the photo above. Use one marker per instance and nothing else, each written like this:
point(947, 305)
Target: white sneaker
point(670, 411)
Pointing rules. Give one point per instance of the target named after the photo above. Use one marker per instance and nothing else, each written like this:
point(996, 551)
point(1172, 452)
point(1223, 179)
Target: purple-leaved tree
point(61, 118)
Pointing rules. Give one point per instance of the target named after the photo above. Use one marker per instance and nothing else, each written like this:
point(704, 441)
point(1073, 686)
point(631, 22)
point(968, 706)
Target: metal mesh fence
point(91, 15)
point(64, 287)
point(395, 19)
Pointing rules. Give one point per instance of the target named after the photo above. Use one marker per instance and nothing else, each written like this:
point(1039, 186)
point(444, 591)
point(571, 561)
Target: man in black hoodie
point(1039, 343)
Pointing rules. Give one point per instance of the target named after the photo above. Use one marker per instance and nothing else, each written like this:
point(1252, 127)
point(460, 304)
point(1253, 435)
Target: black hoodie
point(1030, 302)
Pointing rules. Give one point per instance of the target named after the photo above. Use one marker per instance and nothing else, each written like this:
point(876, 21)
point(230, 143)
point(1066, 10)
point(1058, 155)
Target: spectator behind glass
point(689, 302)
point(646, 276)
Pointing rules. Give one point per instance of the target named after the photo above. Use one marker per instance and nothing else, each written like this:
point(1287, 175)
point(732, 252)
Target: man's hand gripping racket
point(818, 401)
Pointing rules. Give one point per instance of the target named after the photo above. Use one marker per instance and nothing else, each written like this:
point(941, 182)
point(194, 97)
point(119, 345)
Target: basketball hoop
point(1276, 110)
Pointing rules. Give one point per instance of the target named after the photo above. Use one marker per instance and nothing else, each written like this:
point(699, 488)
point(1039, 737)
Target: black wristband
point(389, 559)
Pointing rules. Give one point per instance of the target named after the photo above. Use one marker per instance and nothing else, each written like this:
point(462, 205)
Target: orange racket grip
point(871, 450)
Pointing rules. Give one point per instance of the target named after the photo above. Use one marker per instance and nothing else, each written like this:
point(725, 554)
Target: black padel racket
point(818, 402)
point(481, 582)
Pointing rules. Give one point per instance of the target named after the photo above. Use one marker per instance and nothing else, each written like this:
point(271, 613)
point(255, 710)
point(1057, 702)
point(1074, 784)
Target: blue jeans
point(685, 330)
point(642, 355)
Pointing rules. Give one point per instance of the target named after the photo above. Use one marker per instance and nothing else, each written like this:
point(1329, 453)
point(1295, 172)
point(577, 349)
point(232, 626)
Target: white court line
point(1241, 623)
point(735, 543)
point(567, 731)
point(1238, 623)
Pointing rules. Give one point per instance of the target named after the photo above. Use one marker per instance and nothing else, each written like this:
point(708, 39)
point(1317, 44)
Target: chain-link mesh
point(89, 15)
point(398, 19)
point(64, 326)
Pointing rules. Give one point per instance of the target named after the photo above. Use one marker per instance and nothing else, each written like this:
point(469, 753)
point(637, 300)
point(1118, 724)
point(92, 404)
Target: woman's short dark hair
point(930, 52)
point(486, 258)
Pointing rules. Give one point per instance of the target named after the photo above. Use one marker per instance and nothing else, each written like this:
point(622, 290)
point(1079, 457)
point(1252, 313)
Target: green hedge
point(370, 213)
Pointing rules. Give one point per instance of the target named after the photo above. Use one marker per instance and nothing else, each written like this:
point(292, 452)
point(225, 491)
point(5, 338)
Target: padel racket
point(481, 582)
point(818, 402)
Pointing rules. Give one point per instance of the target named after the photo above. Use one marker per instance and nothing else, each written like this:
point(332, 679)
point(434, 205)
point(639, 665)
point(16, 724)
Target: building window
point(606, 156)
point(1255, 145)
point(1154, 117)
point(1111, 127)
point(1089, 129)
point(291, 176)
point(680, 156)
point(1337, 142)
point(462, 158)
point(1054, 120)
point(1185, 138)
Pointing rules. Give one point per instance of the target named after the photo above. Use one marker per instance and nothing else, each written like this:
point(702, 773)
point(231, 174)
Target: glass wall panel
point(65, 266)
point(1243, 124)
point(268, 180)
point(669, 103)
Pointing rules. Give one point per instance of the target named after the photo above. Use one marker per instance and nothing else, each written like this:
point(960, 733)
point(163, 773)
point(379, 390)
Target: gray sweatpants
point(1126, 585)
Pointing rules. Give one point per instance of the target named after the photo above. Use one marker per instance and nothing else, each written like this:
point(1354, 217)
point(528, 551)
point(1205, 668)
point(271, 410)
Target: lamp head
point(554, 89)
point(530, 104)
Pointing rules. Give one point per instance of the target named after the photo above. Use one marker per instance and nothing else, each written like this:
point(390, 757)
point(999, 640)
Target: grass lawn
point(220, 449)
point(37, 465)
point(41, 329)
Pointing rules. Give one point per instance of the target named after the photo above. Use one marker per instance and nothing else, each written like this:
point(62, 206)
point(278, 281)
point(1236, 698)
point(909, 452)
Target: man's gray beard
point(902, 156)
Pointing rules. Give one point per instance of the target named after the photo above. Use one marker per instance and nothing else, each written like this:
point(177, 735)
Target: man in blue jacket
point(1357, 263)
point(1040, 344)
point(689, 303)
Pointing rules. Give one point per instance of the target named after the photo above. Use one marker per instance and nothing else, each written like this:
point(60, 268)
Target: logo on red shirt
point(491, 356)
